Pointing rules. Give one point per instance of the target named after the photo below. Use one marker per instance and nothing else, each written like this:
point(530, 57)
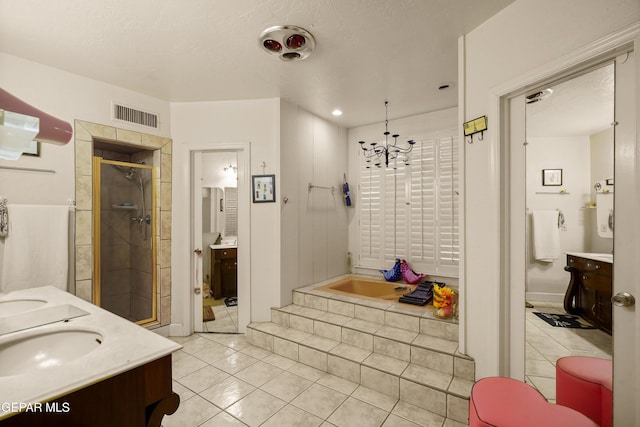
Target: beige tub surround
point(121, 347)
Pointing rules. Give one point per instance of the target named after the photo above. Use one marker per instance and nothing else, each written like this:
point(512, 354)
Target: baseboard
point(545, 297)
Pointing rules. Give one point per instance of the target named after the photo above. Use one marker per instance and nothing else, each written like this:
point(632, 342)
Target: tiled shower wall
point(85, 134)
point(126, 281)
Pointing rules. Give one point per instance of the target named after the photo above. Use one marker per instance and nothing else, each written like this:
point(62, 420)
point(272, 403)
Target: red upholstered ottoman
point(585, 384)
point(505, 402)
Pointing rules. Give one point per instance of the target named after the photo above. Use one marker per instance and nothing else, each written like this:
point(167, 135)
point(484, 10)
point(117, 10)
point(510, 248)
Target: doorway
point(569, 190)
point(219, 185)
point(627, 163)
point(199, 172)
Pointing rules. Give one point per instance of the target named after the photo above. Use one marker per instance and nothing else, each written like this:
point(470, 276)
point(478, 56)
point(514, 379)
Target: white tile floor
point(226, 319)
point(545, 344)
point(224, 381)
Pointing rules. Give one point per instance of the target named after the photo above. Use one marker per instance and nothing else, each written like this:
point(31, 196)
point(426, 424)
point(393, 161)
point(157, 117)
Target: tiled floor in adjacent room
point(545, 344)
point(226, 319)
point(224, 381)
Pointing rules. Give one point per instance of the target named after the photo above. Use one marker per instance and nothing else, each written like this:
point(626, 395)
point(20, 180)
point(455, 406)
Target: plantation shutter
point(412, 212)
point(448, 203)
point(423, 205)
point(370, 209)
point(231, 211)
point(395, 213)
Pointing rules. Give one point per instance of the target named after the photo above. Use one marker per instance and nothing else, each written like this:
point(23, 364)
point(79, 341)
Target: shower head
point(128, 173)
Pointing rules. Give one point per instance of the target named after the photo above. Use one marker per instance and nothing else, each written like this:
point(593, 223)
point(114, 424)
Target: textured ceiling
point(577, 107)
point(367, 51)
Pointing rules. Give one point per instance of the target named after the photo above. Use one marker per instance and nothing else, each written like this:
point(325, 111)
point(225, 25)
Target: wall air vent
point(138, 117)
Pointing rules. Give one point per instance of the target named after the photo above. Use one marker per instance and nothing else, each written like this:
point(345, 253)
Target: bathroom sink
point(19, 305)
point(44, 349)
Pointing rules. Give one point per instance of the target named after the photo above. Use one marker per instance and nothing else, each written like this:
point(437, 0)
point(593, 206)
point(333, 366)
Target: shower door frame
point(97, 279)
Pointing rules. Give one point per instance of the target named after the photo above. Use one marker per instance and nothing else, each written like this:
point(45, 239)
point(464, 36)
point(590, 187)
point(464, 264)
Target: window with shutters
point(411, 212)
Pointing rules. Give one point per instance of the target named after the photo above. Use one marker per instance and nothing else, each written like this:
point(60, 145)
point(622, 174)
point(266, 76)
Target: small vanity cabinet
point(590, 290)
point(224, 272)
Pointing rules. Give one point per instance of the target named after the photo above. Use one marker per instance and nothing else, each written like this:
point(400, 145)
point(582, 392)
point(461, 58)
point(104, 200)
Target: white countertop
point(125, 346)
point(225, 246)
point(596, 257)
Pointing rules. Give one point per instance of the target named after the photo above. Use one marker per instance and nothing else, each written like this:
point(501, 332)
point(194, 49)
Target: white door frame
point(183, 275)
point(512, 307)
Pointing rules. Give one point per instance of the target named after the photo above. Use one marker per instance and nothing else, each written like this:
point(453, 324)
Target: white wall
point(601, 170)
point(68, 97)
point(314, 223)
point(526, 35)
point(548, 281)
point(219, 123)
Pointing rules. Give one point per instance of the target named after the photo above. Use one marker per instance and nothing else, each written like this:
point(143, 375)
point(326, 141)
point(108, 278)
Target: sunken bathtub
point(369, 288)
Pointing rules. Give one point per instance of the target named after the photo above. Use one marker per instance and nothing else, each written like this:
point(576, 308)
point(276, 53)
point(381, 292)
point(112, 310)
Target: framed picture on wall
point(551, 177)
point(264, 188)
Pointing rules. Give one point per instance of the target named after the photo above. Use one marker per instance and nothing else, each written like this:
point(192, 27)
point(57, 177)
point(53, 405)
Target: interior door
point(196, 238)
point(626, 273)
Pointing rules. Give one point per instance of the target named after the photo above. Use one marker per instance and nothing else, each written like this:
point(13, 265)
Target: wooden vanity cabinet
point(224, 272)
point(136, 398)
point(590, 290)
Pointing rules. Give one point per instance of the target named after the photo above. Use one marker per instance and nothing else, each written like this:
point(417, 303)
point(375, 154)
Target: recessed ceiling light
point(289, 42)
point(336, 112)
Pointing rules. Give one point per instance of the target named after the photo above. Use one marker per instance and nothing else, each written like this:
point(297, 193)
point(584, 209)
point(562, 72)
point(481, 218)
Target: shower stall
point(124, 246)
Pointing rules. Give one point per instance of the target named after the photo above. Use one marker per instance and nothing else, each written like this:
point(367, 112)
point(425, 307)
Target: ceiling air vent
point(131, 115)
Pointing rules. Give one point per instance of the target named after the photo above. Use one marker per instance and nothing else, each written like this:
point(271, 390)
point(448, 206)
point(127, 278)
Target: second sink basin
point(45, 349)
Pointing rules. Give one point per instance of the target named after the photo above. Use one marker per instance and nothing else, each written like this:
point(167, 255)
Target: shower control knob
point(623, 299)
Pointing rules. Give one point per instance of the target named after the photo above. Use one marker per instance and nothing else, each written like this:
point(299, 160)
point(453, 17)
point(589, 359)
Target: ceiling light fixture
point(390, 151)
point(289, 42)
point(336, 112)
point(231, 171)
point(539, 95)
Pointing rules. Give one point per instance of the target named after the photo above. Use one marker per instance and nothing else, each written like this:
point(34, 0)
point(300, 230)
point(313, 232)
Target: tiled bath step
point(398, 350)
point(416, 347)
point(442, 393)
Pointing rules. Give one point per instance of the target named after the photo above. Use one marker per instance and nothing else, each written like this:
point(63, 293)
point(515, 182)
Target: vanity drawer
point(225, 253)
point(595, 280)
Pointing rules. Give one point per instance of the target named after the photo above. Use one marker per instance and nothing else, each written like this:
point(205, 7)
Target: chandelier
point(388, 151)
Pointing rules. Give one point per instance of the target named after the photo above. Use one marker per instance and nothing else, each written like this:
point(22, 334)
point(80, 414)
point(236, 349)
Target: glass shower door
point(124, 239)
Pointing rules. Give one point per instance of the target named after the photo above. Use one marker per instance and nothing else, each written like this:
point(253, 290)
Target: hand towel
point(36, 249)
point(546, 237)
